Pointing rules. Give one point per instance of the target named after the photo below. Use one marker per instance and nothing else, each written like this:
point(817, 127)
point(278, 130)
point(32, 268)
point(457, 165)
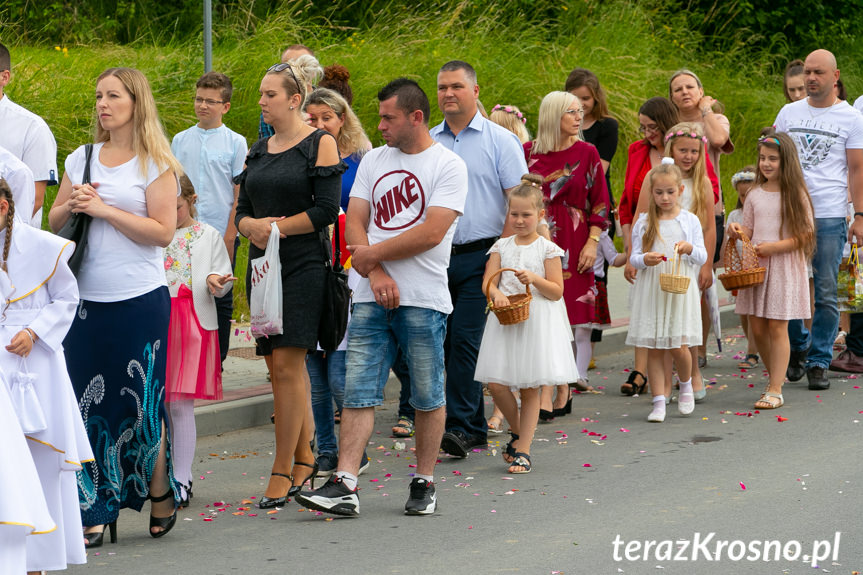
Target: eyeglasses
point(281, 67)
point(653, 128)
point(207, 101)
point(574, 112)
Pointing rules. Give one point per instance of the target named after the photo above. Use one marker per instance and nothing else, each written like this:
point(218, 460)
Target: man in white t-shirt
point(828, 134)
point(28, 137)
point(212, 154)
point(20, 180)
point(401, 220)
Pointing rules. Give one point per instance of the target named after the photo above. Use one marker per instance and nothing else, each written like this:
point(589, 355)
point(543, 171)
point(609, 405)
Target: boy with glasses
point(212, 154)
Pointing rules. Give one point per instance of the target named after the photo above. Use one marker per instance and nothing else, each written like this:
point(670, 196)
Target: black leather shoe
point(477, 442)
point(817, 380)
point(455, 443)
point(796, 366)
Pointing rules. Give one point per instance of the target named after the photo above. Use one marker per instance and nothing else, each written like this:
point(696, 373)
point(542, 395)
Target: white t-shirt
point(400, 188)
point(116, 268)
point(822, 135)
point(858, 104)
point(211, 159)
point(20, 180)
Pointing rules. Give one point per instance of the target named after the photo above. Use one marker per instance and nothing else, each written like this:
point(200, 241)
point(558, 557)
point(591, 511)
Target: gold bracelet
point(594, 238)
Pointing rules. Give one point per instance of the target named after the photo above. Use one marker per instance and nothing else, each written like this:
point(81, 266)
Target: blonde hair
point(351, 139)
point(309, 69)
point(530, 188)
point(651, 231)
point(511, 118)
point(701, 186)
point(551, 110)
point(148, 137)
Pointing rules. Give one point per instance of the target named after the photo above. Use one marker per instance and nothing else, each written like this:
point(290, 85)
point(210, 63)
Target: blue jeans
point(465, 407)
point(375, 336)
point(327, 375)
point(830, 237)
point(400, 368)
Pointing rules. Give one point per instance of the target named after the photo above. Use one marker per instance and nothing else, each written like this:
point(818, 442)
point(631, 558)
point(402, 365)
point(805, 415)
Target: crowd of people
point(442, 223)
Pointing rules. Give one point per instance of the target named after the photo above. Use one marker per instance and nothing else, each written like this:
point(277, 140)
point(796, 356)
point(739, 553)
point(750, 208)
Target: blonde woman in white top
point(116, 348)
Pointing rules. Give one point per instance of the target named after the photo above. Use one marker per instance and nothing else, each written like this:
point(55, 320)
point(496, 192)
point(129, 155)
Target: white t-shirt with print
point(115, 267)
point(400, 188)
point(822, 136)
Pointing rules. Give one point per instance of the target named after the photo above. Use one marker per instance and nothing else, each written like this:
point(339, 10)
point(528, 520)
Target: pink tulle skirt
point(194, 364)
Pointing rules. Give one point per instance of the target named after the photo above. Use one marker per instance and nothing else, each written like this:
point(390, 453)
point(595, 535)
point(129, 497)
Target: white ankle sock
point(658, 413)
point(686, 386)
point(348, 479)
point(428, 478)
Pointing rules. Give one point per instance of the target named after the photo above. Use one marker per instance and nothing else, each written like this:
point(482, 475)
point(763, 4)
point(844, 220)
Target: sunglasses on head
point(281, 67)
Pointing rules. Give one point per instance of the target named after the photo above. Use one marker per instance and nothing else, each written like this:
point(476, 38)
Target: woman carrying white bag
point(265, 300)
point(293, 180)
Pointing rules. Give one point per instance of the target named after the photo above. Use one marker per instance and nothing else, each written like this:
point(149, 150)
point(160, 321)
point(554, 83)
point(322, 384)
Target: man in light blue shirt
point(211, 155)
point(495, 164)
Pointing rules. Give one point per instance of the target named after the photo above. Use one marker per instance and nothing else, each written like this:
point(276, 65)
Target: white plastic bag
point(25, 400)
point(266, 299)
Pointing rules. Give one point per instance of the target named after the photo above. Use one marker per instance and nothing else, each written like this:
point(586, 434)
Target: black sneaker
point(817, 380)
point(327, 464)
point(796, 365)
point(364, 463)
point(333, 497)
point(422, 500)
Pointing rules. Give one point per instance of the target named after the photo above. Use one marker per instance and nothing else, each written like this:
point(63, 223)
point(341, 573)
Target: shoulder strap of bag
point(88, 155)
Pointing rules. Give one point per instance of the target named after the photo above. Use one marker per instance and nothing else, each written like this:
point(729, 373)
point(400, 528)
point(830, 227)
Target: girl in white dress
point(662, 321)
point(537, 351)
point(36, 316)
point(23, 511)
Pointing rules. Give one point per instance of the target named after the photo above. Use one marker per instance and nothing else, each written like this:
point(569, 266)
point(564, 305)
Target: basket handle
point(676, 260)
point(731, 249)
point(494, 275)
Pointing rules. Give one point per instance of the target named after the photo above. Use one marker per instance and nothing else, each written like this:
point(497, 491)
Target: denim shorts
point(374, 336)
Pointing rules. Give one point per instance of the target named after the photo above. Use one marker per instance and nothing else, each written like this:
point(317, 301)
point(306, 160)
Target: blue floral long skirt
point(116, 355)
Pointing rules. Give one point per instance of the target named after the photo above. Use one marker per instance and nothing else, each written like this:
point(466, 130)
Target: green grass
point(632, 49)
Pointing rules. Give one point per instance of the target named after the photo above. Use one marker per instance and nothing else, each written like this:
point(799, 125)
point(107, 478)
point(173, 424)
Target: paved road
point(601, 473)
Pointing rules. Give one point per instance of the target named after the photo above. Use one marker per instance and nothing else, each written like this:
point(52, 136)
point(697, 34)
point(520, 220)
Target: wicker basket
point(674, 282)
point(741, 267)
point(518, 309)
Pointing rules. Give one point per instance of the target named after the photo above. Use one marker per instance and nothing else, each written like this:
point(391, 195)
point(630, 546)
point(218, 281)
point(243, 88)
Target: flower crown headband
point(742, 177)
point(510, 110)
point(681, 133)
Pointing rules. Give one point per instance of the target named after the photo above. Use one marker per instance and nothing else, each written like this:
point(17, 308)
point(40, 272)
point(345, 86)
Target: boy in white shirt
point(212, 154)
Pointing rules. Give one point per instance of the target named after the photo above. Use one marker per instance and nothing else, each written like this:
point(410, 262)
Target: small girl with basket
point(661, 320)
point(778, 219)
point(533, 352)
point(197, 268)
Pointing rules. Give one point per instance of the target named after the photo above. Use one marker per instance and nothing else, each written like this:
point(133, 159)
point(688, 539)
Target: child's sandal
point(510, 451)
point(521, 460)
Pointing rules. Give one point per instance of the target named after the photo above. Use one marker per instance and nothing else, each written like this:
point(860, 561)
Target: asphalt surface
point(602, 474)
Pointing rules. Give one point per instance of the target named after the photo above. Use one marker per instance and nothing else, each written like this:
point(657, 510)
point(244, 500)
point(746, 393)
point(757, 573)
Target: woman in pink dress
point(577, 211)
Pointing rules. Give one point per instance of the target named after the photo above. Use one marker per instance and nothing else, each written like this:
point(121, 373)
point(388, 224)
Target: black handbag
point(337, 296)
point(77, 226)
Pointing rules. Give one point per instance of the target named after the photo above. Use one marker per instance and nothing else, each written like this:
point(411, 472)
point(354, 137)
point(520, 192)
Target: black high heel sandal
point(560, 411)
point(634, 388)
point(96, 539)
point(295, 489)
point(273, 502)
point(166, 523)
point(546, 416)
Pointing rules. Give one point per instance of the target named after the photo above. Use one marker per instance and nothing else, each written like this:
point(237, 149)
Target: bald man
point(828, 134)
